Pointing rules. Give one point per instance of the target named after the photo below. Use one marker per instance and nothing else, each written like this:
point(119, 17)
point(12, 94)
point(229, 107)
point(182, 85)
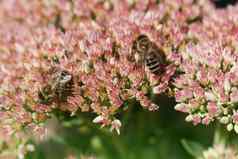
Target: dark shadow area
point(223, 3)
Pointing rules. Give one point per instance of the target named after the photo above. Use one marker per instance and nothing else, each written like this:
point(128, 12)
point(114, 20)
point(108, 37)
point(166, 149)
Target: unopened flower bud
point(98, 119)
point(236, 128)
point(30, 147)
point(224, 120)
point(229, 127)
point(116, 124)
point(210, 96)
point(189, 118)
point(181, 107)
point(227, 86)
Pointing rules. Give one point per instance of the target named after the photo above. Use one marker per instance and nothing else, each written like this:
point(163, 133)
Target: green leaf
point(193, 148)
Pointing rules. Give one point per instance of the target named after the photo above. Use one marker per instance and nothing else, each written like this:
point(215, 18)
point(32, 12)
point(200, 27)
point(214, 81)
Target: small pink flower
point(98, 119)
point(198, 91)
point(212, 108)
point(116, 125)
point(210, 96)
point(160, 88)
point(202, 76)
point(223, 97)
point(235, 117)
point(114, 97)
point(196, 119)
point(182, 108)
point(41, 108)
point(183, 95)
point(206, 120)
point(234, 95)
point(74, 103)
point(195, 103)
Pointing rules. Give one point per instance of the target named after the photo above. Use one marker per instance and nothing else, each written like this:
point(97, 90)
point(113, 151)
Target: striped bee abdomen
point(153, 64)
point(155, 60)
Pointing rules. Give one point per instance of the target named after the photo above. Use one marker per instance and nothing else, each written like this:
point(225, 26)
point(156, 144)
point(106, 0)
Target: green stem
point(221, 136)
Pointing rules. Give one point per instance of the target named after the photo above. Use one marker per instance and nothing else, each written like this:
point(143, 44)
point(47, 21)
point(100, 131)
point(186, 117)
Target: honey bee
point(147, 53)
point(58, 88)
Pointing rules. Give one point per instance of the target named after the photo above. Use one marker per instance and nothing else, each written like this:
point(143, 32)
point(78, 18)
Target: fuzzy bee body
point(58, 88)
point(149, 54)
point(62, 85)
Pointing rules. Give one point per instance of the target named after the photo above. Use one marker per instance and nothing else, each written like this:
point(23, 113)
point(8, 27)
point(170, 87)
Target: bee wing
point(160, 55)
point(66, 79)
point(143, 64)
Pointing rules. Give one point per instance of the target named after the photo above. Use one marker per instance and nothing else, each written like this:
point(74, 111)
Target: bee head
point(65, 77)
point(142, 43)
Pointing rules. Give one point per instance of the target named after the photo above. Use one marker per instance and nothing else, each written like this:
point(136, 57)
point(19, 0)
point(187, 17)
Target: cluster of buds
point(207, 88)
point(71, 57)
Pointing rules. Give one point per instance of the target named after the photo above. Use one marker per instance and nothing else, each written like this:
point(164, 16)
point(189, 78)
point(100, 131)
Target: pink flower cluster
point(207, 87)
point(91, 41)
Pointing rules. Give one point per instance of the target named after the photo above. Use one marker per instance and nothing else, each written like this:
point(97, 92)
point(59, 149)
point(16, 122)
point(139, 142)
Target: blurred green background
point(144, 135)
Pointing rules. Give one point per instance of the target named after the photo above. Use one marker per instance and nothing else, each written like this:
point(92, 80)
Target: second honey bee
point(58, 88)
point(147, 53)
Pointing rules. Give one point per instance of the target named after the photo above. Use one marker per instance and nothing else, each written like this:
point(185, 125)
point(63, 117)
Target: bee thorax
point(66, 79)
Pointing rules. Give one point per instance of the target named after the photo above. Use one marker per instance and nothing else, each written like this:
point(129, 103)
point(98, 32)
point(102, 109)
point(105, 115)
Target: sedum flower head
point(206, 89)
point(72, 56)
point(207, 85)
